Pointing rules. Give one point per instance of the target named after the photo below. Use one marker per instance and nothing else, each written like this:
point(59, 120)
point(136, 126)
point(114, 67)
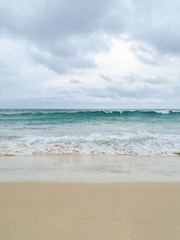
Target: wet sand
point(65, 211)
point(89, 168)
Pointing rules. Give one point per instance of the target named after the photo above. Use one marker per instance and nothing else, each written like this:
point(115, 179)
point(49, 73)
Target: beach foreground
point(147, 211)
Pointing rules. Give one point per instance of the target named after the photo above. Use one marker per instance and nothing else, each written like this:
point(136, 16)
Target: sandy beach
point(80, 197)
point(122, 211)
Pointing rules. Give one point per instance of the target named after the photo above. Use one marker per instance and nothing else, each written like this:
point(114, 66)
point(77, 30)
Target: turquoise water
point(129, 132)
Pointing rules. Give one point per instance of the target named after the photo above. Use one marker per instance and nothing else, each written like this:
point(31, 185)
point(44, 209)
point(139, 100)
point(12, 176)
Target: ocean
point(84, 132)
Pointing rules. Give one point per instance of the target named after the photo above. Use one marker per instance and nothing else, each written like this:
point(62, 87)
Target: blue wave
point(98, 113)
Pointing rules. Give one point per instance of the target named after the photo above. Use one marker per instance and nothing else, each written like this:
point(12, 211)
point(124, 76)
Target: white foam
point(142, 143)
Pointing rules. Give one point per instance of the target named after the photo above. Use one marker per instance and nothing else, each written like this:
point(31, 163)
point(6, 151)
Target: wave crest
point(86, 113)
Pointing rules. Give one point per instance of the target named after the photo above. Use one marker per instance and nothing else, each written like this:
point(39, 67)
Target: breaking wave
point(142, 144)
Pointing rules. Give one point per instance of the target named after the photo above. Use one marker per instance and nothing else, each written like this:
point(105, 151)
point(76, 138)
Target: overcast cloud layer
point(89, 54)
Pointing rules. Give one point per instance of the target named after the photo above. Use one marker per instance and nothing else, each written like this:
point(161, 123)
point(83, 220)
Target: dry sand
point(63, 211)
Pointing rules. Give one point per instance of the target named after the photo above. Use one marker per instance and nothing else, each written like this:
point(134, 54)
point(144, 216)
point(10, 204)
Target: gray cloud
point(64, 30)
point(146, 54)
point(68, 31)
point(62, 65)
point(144, 94)
point(5, 72)
point(135, 87)
point(157, 22)
point(106, 78)
point(133, 78)
point(74, 81)
point(64, 36)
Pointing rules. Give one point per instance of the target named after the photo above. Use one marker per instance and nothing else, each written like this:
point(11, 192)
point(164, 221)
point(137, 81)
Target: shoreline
point(89, 168)
point(78, 211)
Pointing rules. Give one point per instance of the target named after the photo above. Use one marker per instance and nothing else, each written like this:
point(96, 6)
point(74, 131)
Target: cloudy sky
point(90, 54)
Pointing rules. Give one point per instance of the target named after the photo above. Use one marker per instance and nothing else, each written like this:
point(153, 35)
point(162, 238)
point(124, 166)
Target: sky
point(90, 54)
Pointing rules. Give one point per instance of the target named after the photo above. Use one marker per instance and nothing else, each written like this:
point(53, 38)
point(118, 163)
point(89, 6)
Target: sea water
point(84, 132)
